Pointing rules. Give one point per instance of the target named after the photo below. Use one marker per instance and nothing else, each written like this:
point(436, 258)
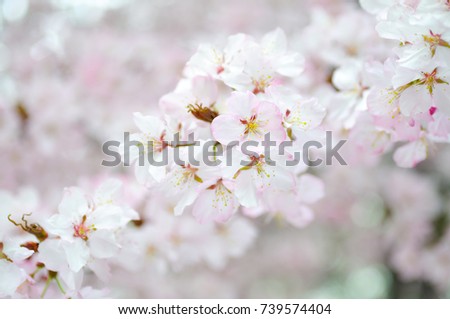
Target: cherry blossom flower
point(87, 226)
point(152, 141)
point(299, 114)
point(192, 97)
point(247, 118)
point(417, 92)
point(258, 174)
point(216, 201)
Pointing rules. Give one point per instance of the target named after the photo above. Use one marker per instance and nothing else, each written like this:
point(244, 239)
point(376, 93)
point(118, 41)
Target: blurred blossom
point(14, 10)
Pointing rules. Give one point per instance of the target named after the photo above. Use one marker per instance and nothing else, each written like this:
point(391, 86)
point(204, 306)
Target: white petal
point(157, 172)
point(241, 104)
point(291, 64)
point(107, 217)
point(307, 115)
point(72, 280)
point(102, 244)
point(227, 128)
point(205, 90)
point(11, 277)
point(346, 78)
point(51, 253)
point(73, 204)
point(411, 154)
point(14, 251)
point(186, 199)
point(106, 191)
point(150, 125)
point(245, 190)
point(274, 42)
point(77, 254)
point(415, 57)
point(101, 269)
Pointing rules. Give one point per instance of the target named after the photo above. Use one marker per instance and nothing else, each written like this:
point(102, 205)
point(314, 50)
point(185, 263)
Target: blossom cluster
point(84, 234)
point(408, 94)
point(234, 94)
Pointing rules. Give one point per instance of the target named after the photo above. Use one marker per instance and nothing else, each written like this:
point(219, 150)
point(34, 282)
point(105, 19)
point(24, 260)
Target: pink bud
point(432, 110)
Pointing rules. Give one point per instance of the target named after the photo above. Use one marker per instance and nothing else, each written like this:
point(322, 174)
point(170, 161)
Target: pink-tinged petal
point(206, 59)
point(77, 254)
point(73, 204)
point(300, 217)
point(241, 104)
point(227, 128)
point(440, 127)
point(245, 190)
point(11, 277)
point(174, 104)
point(441, 98)
point(150, 125)
point(411, 154)
point(217, 204)
point(403, 129)
point(102, 244)
point(269, 117)
point(310, 189)
point(414, 100)
point(381, 102)
point(205, 89)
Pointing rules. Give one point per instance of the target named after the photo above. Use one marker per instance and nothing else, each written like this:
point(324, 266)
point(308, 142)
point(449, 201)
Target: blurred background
point(72, 72)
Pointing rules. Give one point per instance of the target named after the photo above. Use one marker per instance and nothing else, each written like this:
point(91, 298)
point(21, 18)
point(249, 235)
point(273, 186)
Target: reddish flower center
point(81, 230)
point(252, 126)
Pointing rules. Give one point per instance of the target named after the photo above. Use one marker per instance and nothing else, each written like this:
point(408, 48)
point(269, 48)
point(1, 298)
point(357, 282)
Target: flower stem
point(47, 284)
point(60, 286)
